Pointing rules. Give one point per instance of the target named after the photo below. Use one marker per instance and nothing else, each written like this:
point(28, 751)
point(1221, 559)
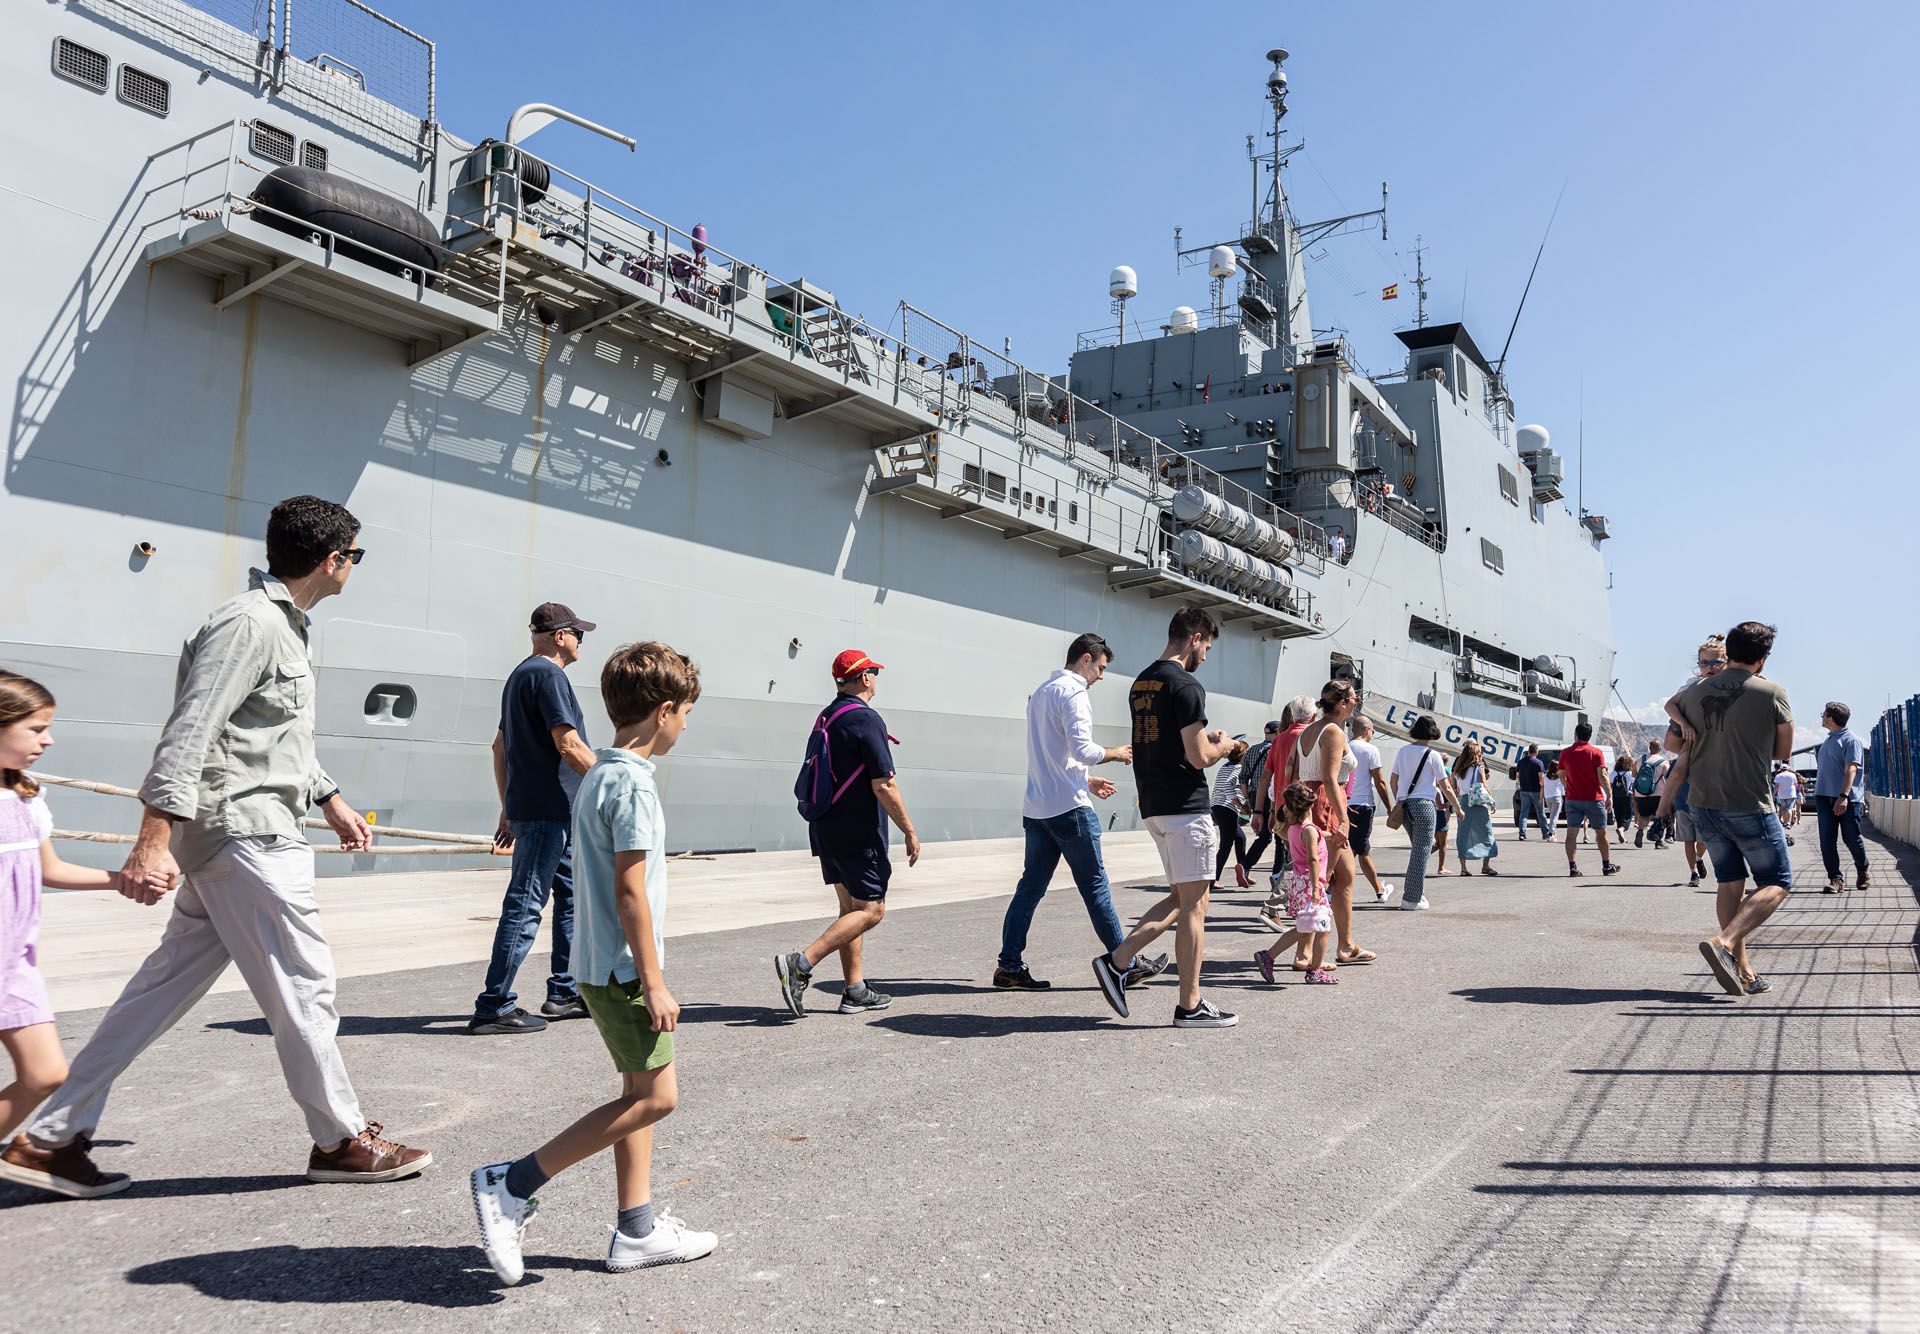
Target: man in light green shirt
point(232, 777)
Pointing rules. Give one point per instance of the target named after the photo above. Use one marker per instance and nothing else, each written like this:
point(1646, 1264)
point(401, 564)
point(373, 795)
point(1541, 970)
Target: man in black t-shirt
point(1172, 750)
point(540, 753)
point(1530, 774)
point(851, 838)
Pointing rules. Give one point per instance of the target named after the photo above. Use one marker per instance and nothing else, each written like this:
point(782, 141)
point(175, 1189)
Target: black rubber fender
point(391, 234)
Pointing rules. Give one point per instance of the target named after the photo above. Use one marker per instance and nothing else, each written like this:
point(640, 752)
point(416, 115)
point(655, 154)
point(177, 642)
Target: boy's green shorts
point(621, 1016)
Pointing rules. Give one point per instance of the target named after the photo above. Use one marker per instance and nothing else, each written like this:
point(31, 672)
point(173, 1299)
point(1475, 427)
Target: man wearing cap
point(851, 838)
point(540, 753)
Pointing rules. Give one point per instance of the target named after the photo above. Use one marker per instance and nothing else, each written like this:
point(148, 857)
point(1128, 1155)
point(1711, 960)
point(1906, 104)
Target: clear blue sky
point(1723, 281)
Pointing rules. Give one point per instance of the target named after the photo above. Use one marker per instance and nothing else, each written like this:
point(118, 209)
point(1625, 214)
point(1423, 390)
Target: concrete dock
point(1536, 1111)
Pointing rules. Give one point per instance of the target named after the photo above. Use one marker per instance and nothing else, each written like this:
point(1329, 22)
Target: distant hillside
point(1625, 736)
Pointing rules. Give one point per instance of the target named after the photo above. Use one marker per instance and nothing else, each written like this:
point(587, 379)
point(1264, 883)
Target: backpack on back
point(1648, 778)
point(814, 791)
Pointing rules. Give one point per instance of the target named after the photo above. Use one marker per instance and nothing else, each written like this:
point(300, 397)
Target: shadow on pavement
point(367, 1025)
point(1656, 1188)
point(1584, 996)
point(988, 1026)
point(14, 1197)
point(444, 1276)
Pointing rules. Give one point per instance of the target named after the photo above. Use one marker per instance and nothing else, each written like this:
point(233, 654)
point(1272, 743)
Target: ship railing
point(1228, 316)
point(1396, 511)
point(951, 376)
point(967, 380)
point(301, 49)
point(1471, 669)
point(228, 177)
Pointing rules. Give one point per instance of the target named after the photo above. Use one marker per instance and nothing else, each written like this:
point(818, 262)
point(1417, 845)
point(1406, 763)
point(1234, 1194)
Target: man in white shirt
point(1058, 813)
point(1361, 787)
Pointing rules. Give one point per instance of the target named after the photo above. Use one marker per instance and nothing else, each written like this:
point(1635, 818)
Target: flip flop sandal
point(1720, 960)
point(1357, 957)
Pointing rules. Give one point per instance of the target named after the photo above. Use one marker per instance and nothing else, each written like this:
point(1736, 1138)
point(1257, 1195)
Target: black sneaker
point(793, 981)
point(1609, 868)
point(1142, 971)
point(1572, 869)
point(1693, 881)
point(1204, 1015)
point(1018, 979)
point(1113, 984)
point(1638, 836)
point(566, 1009)
point(515, 1020)
point(868, 999)
point(1700, 868)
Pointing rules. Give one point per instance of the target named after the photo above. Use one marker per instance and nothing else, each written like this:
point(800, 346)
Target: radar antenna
point(1420, 282)
point(1501, 364)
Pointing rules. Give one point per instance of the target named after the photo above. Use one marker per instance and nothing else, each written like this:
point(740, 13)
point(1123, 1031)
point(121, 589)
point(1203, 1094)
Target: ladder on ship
point(828, 335)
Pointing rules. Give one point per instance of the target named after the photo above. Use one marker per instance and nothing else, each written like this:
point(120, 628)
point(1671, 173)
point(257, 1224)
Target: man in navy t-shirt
point(1530, 774)
point(540, 754)
point(851, 838)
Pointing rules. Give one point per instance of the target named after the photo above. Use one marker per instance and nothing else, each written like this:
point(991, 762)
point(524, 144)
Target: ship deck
point(1536, 1111)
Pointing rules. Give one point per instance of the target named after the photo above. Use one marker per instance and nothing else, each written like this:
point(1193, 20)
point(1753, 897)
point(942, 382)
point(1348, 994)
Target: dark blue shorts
point(863, 871)
point(1360, 829)
point(1743, 844)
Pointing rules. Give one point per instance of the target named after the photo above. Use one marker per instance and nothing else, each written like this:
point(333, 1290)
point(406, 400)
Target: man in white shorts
point(1786, 797)
point(1172, 750)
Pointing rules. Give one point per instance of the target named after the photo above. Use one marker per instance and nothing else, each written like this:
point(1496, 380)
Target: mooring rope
point(461, 845)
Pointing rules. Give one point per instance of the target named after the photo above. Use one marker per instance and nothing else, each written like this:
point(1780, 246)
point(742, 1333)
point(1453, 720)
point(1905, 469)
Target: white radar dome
point(1183, 321)
point(1123, 282)
point(1530, 440)
point(1221, 262)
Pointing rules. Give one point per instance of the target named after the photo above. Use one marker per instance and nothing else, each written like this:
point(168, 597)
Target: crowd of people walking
point(235, 772)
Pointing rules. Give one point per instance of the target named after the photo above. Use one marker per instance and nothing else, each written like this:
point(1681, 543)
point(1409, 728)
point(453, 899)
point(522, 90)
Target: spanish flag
point(1391, 292)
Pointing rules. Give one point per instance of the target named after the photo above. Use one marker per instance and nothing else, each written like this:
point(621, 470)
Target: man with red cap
point(850, 837)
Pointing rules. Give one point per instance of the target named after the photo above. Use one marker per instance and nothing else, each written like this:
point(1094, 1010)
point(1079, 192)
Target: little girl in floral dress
point(1306, 891)
point(27, 860)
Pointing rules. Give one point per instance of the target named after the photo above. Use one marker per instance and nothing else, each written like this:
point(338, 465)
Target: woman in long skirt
point(1475, 841)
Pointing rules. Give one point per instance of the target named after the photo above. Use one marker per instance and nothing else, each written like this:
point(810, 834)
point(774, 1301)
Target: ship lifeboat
point(377, 229)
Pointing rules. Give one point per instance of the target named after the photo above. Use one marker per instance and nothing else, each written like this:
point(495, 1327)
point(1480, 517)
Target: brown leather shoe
point(66, 1170)
point(366, 1158)
point(1863, 881)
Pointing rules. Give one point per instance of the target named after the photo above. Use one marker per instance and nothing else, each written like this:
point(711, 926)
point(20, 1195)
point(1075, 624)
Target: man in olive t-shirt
point(1739, 724)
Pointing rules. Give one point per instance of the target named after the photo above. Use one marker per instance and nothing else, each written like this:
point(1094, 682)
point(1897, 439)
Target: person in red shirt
point(1584, 769)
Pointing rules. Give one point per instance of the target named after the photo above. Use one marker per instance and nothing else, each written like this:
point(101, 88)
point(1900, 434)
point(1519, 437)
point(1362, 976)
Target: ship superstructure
point(247, 262)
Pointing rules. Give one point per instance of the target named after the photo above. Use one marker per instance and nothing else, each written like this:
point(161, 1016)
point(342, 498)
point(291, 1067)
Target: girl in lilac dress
point(27, 860)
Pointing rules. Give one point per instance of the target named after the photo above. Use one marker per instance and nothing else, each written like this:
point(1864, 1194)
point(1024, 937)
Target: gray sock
point(636, 1222)
point(524, 1177)
point(800, 963)
point(859, 992)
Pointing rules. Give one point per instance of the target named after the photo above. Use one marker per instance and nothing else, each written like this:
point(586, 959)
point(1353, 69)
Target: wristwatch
point(321, 801)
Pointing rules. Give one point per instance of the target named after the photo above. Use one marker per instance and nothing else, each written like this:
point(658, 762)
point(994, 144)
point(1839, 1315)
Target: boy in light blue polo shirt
point(620, 909)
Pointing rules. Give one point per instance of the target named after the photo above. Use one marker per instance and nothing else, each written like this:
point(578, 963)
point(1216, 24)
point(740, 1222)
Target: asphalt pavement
point(1536, 1112)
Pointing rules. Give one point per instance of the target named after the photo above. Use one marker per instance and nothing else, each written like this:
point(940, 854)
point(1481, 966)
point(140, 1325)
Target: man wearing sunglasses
point(232, 777)
point(540, 753)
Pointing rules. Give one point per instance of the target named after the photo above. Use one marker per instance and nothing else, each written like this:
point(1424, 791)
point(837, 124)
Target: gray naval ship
point(245, 260)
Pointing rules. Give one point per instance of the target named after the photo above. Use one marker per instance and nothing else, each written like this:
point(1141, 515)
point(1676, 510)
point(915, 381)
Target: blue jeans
point(1419, 825)
point(1743, 843)
point(1846, 825)
point(1074, 835)
point(1532, 803)
point(541, 866)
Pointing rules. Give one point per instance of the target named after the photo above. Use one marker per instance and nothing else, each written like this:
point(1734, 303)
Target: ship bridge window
point(82, 64)
point(147, 91)
point(1509, 484)
point(270, 142)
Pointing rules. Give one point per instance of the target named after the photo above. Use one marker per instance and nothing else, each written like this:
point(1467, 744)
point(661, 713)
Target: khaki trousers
point(252, 905)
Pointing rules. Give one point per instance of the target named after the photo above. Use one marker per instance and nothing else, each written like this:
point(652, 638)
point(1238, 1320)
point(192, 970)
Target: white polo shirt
point(1060, 747)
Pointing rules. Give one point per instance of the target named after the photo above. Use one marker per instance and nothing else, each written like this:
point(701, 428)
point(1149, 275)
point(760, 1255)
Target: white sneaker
point(1387, 891)
point(1273, 922)
point(503, 1221)
point(670, 1243)
point(1417, 905)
